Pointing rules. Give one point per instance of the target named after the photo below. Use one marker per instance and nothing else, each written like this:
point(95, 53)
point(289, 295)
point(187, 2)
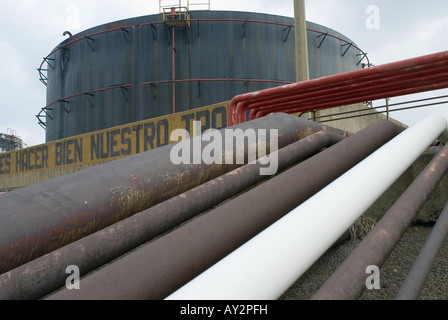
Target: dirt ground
point(392, 272)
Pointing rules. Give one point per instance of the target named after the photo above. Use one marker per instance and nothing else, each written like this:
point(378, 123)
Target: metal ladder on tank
point(176, 14)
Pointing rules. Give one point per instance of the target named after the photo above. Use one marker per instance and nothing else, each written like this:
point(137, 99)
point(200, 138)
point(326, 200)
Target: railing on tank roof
point(43, 77)
point(44, 114)
point(197, 5)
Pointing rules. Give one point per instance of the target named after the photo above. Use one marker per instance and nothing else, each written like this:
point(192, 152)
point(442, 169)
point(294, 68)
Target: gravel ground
point(392, 272)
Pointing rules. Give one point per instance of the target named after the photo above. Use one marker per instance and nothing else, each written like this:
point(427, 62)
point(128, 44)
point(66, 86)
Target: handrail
point(43, 77)
point(352, 45)
point(43, 110)
point(287, 26)
point(216, 79)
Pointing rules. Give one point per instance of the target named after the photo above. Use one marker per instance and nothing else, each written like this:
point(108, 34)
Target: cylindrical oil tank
point(144, 67)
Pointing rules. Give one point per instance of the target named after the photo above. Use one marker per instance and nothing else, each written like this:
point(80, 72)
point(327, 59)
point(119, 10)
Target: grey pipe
point(413, 284)
point(40, 218)
point(348, 281)
point(45, 274)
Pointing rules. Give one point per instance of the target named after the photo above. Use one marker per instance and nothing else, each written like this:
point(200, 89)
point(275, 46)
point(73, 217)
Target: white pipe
point(267, 265)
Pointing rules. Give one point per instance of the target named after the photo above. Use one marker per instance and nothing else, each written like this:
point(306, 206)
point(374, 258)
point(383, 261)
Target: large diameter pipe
point(413, 284)
point(348, 281)
point(157, 269)
point(267, 265)
point(40, 218)
point(45, 274)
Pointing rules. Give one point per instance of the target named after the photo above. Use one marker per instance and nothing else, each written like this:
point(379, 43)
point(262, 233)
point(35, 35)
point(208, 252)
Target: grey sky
point(30, 29)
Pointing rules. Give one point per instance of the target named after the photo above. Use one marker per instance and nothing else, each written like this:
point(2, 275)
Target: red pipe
point(315, 88)
point(340, 102)
point(313, 91)
point(316, 94)
point(359, 93)
point(355, 76)
point(425, 88)
point(241, 108)
point(362, 96)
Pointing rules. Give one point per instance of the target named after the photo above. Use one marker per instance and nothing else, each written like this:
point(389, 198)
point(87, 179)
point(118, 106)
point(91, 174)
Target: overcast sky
point(30, 29)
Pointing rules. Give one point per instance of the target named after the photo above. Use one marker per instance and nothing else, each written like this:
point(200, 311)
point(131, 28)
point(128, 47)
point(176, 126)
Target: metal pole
point(302, 65)
point(387, 108)
point(173, 52)
point(268, 264)
point(348, 281)
point(162, 266)
point(413, 283)
point(43, 275)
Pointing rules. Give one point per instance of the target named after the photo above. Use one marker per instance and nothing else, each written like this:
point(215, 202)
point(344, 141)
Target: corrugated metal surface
point(221, 55)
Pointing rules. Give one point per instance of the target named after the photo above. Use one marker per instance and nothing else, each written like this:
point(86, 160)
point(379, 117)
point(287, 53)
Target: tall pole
point(173, 70)
point(302, 68)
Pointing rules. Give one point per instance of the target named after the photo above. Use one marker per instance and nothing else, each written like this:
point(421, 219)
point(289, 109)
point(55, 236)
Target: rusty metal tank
point(150, 66)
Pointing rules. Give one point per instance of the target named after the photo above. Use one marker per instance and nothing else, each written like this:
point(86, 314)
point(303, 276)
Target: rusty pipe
point(45, 274)
point(162, 266)
point(413, 283)
point(348, 281)
point(41, 218)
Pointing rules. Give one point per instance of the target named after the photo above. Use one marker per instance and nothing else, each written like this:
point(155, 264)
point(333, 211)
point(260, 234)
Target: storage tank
point(10, 141)
point(154, 65)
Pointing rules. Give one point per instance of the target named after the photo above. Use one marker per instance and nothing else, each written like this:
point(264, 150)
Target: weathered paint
point(40, 218)
point(161, 266)
point(110, 144)
point(125, 75)
point(45, 274)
